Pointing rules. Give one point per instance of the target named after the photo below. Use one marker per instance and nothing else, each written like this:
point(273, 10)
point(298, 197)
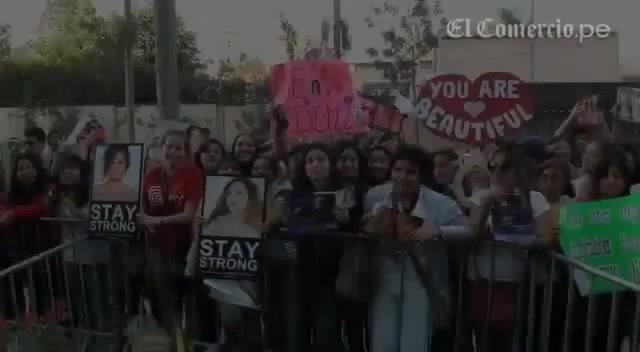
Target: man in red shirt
point(171, 195)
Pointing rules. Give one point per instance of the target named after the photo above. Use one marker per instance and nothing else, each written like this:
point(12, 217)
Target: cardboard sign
point(115, 192)
point(603, 235)
point(311, 213)
point(223, 256)
point(379, 116)
point(317, 97)
point(475, 112)
point(233, 211)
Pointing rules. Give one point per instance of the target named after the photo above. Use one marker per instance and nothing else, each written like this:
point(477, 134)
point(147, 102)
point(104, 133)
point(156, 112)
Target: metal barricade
point(51, 300)
point(54, 299)
point(551, 314)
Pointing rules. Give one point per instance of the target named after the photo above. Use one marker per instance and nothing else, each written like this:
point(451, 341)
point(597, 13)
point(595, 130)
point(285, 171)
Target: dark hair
point(245, 168)
point(175, 133)
point(37, 133)
point(387, 153)
point(385, 150)
point(205, 149)
point(629, 149)
point(53, 132)
point(388, 136)
point(80, 191)
point(565, 170)
point(613, 156)
point(300, 180)
point(18, 193)
point(421, 159)
point(515, 159)
point(222, 209)
point(110, 155)
point(448, 153)
point(343, 146)
point(229, 163)
point(272, 162)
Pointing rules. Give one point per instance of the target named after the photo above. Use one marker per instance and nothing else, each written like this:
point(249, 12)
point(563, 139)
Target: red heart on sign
point(475, 112)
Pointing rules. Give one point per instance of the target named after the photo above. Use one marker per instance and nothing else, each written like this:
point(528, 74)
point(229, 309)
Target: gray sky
point(252, 26)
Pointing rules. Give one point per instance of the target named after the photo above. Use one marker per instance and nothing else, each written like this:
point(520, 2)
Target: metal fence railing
point(51, 298)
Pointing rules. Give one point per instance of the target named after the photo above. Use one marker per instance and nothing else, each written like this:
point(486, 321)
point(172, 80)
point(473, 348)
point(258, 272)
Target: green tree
point(5, 41)
point(290, 39)
point(78, 59)
point(509, 16)
point(188, 51)
point(406, 43)
point(326, 48)
point(75, 35)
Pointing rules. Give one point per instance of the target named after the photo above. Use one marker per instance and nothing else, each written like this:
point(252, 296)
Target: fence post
point(117, 277)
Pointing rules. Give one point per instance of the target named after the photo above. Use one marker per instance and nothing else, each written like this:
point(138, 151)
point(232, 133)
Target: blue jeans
point(401, 309)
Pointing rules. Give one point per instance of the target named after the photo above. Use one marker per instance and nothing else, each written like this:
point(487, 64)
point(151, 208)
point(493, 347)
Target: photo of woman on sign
point(238, 209)
point(116, 173)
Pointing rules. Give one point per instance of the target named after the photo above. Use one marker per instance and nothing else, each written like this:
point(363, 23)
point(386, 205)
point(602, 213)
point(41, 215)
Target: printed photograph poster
point(512, 219)
point(232, 212)
point(115, 190)
point(312, 213)
point(604, 235)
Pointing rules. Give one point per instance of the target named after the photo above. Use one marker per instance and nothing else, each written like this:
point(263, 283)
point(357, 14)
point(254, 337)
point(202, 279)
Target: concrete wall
point(12, 122)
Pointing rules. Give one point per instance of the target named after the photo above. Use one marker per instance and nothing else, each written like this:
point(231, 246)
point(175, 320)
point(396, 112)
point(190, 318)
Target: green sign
point(605, 235)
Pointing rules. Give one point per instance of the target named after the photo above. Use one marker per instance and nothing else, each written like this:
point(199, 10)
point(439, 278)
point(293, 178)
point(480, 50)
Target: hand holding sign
point(475, 112)
point(587, 112)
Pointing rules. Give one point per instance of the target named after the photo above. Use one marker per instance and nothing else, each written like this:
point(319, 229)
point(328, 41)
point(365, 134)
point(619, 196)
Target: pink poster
point(317, 97)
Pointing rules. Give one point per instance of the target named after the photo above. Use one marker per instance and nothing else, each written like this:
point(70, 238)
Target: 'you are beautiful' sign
point(475, 112)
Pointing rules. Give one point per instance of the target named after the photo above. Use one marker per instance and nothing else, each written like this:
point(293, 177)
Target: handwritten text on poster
point(317, 97)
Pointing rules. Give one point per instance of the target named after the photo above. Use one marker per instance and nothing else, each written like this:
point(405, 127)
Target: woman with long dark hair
point(24, 234)
point(611, 178)
point(27, 201)
point(379, 165)
point(244, 150)
point(317, 258)
point(505, 266)
point(111, 185)
point(353, 311)
point(238, 212)
point(87, 262)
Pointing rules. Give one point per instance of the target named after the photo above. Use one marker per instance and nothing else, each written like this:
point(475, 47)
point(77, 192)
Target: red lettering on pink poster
point(317, 97)
point(475, 112)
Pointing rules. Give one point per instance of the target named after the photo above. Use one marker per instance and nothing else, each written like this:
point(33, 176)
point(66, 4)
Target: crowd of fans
point(328, 294)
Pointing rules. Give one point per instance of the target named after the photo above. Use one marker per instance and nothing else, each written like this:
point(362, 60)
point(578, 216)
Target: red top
point(165, 195)
point(36, 209)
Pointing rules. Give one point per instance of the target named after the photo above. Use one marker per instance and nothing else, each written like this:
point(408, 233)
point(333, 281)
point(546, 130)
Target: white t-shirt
point(510, 262)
